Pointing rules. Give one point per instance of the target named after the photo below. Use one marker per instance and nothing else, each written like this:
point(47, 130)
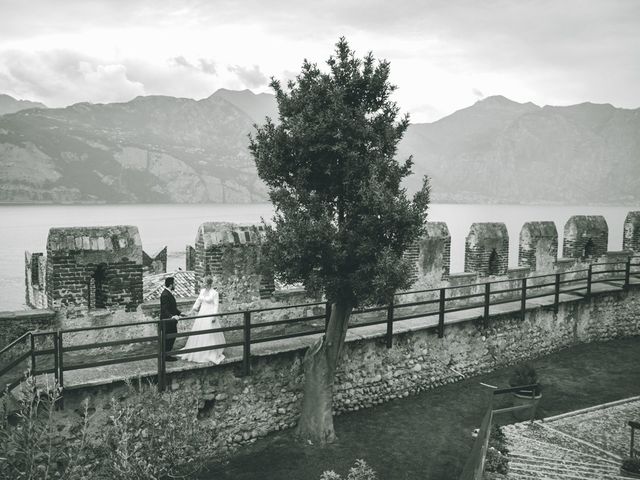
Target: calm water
point(26, 227)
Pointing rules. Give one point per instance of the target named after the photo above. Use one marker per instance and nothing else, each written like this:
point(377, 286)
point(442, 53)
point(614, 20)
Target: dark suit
point(168, 308)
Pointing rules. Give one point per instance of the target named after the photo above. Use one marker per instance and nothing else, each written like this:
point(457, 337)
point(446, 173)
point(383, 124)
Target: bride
point(206, 304)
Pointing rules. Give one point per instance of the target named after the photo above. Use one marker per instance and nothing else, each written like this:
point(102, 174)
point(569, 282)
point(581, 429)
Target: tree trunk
point(316, 420)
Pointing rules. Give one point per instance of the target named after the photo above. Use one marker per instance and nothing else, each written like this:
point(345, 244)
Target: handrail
point(520, 293)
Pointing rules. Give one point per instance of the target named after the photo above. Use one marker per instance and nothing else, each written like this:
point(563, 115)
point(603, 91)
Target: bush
point(154, 435)
point(31, 447)
point(631, 464)
point(360, 471)
point(497, 439)
point(496, 462)
point(525, 374)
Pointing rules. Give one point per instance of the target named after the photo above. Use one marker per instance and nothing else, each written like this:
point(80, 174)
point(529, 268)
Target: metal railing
point(474, 467)
point(439, 303)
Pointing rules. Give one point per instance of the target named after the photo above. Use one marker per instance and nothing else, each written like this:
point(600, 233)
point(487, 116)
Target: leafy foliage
point(155, 435)
point(31, 447)
point(149, 436)
point(360, 471)
point(342, 220)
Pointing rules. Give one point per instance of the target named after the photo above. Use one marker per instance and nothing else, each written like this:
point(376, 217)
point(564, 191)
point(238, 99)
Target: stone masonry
point(585, 237)
point(538, 248)
point(434, 259)
point(631, 236)
point(94, 267)
point(154, 264)
point(231, 253)
point(487, 249)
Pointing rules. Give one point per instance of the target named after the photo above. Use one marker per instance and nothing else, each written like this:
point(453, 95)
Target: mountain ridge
point(157, 149)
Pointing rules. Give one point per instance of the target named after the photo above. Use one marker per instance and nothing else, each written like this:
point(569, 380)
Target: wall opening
point(100, 286)
point(494, 263)
point(589, 248)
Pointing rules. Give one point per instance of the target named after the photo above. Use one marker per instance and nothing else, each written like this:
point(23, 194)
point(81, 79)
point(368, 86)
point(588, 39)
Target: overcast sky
point(444, 55)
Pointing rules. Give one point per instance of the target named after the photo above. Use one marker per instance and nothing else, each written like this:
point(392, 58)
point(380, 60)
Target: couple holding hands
point(206, 304)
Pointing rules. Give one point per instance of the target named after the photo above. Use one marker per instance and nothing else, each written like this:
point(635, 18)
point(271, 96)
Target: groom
point(170, 313)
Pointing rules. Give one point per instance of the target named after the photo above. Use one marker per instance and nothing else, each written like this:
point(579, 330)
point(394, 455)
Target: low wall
point(244, 408)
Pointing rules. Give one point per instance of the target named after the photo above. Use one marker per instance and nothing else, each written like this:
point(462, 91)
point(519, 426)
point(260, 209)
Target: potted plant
point(631, 467)
point(523, 375)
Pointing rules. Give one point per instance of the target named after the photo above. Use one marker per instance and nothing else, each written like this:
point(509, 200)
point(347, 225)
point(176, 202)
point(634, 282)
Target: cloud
point(477, 93)
point(60, 77)
point(251, 77)
point(204, 65)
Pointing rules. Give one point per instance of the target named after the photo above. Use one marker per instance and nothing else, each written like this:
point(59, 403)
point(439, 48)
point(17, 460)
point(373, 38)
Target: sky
point(444, 54)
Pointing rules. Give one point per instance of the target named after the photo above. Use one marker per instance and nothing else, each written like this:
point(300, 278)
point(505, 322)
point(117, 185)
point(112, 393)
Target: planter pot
point(629, 474)
point(523, 399)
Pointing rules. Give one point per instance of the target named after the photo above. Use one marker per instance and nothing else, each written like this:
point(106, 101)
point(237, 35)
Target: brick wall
point(101, 266)
point(190, 258)
point(585, 237)
point(434, 259)
point(538, 246)
point(487, 249)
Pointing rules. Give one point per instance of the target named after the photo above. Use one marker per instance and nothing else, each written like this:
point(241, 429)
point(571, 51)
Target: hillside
point(164, 149)
point(9, 104)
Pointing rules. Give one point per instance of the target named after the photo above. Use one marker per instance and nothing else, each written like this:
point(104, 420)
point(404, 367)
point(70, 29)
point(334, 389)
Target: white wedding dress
point(206, 304)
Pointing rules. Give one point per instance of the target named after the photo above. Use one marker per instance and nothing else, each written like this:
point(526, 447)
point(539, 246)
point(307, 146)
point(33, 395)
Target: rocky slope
point(166, 149)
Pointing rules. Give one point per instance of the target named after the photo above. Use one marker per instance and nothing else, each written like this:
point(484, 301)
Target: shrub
point(496, 462)
point(525, 374)
point(31, 447)
point(631, 464)
point(154, 435)
point(497, 439)
point(360, 471)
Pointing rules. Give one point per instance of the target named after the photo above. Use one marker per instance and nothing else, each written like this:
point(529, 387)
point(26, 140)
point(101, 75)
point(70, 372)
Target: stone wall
point(434, 259)
point(94, 267)
point(14, 324)
point(244, 408)
point(487, 249)
point(585, 237)
point(631, 235)
point(35, 280)
point(231, 253)
point(190, 258)
point(538, 247)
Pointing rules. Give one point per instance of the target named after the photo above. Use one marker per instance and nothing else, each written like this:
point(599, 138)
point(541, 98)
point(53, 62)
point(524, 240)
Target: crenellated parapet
point(538, 245)
point(487, 249)
point(231, 253)
point(94, 267)
point(430, 255)
point(585, 237)
point(631, 234)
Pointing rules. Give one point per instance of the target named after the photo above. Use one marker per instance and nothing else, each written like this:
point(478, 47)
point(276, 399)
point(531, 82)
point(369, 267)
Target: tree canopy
point(342, 218)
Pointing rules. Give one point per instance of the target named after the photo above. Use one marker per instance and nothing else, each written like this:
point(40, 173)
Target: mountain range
point(160, 149)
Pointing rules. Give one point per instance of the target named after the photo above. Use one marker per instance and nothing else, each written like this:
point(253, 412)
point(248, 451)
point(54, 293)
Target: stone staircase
point(538, 452)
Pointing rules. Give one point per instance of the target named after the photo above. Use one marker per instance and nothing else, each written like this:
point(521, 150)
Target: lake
point(25, 227)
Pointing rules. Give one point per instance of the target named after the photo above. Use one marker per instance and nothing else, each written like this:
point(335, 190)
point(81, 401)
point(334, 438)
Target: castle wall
point(270, 399)
point(35, 280)
point(585, 237)
point(631, 235)
point(538, 246)
point(153, 264)
point(487, 249)
point(94, 266)
point(231, 253)
point(433, 262)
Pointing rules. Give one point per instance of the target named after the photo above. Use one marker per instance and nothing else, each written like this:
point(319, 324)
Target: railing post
point(441, 313)
point(33, 354)
point(246, 352)
point(327, 315)
point(56, 356)
point(487, 300)
point(389, 337)
point(523, 298)
point(589, 275)
point(162, 366)
point(556, 296)
point(61, 368)
point(627, 273)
